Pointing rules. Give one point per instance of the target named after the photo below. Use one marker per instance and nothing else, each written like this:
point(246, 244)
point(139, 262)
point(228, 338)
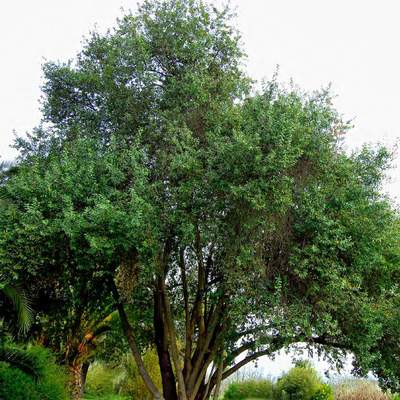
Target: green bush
point(18, 385)
point(300, 383)
point(325, 392)
point(257, 389)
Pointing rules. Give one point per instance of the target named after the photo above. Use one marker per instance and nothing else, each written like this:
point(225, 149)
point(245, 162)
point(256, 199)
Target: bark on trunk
point(76, 381)
point(219, 379)
point(167, 372)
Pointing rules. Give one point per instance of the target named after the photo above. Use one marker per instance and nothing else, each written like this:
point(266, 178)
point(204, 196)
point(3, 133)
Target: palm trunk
point(76, 381)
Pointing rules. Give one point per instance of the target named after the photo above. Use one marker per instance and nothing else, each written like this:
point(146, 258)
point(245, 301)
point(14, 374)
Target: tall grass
point(359, 389)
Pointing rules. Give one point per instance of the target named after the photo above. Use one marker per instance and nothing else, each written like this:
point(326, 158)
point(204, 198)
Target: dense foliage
point(230, 221)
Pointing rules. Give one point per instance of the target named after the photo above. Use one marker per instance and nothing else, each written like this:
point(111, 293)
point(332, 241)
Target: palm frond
point(21, 306)
point(105, 324)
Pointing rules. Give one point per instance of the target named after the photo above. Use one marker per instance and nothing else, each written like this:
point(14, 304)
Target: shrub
point(300, 383)
point(18, 385)
point(258, 389)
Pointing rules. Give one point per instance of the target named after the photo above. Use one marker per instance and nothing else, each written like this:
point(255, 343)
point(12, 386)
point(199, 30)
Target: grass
point(104, 397)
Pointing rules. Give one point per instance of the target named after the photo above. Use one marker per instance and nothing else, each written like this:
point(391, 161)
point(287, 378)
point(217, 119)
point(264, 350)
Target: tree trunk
point(85, 369)
point(167, 372)
point(76, 381)
point(220, 370)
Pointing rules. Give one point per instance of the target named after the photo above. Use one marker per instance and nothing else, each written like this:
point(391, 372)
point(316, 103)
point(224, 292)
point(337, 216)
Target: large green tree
point(232, 221)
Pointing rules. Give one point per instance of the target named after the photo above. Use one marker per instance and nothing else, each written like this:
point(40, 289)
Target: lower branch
point(130, 336)
point(172, 341)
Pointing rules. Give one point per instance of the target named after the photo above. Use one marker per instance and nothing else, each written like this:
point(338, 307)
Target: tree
point(69, 320)
point(232, 222)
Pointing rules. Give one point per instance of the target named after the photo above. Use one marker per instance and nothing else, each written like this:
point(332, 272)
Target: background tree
point(71, 314)
point(233, 222)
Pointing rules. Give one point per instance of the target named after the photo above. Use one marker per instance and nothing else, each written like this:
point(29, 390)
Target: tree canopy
point(230, 219)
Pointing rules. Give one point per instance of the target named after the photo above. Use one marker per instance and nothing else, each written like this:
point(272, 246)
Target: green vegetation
point(101, 380)
point(303, 383)
point(105, 397)
point(165, 203)
point(35, 377)
point(131, 383)
point(260, 389)
point(300, 383)
point(325, 392)
point(122, 377)
point(26, 372)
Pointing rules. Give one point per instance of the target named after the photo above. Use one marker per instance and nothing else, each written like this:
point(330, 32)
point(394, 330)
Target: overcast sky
point(353, 44)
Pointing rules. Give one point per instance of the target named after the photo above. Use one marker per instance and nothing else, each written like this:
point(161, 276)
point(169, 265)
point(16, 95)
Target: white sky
point(354, 44)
